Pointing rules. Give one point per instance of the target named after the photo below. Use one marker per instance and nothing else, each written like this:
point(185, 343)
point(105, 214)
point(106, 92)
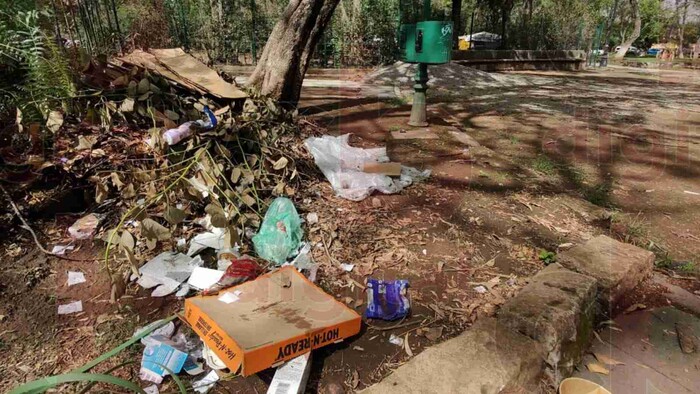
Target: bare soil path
point(559, 161)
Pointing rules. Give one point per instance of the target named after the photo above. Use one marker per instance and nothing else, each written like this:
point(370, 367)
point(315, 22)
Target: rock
point(618, 267)
point(484, 359)
point(376, 202)
point(557, 309)
point(686, 339)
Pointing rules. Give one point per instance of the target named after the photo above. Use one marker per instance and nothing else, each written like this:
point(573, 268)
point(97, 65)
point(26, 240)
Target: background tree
point(654, 19)
point(682, 9)
point(636, 17)
point(456, 15)
point(288, 51)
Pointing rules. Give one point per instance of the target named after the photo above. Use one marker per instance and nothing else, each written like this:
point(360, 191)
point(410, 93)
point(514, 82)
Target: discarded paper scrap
point(75, 278)
point(291, 377)
point(167, 271)
point(73, 307)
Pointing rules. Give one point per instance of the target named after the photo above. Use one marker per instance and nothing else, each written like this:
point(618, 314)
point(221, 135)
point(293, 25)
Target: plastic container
point(173, 136)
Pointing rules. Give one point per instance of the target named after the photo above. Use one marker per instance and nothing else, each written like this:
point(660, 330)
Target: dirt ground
point(567, 157)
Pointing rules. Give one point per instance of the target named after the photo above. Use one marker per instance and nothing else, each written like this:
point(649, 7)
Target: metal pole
point(419, 116)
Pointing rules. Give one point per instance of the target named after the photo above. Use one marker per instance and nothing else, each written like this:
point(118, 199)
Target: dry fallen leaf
point(355, 379)
point(86, 142)
point(440, 264)
point(434, 333)
point(597, 368)
point(635, 307)
point(101, 192)
point(407, 347)
point(127, 240)
point(607, 360)
point(281, 163)
point(174, 215)
point(598, 337)
point(55, 121)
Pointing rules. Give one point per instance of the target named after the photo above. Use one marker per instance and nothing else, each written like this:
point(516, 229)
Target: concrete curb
point(541, 332)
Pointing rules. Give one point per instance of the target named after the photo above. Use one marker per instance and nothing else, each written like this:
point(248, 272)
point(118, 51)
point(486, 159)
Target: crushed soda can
point(387, 299)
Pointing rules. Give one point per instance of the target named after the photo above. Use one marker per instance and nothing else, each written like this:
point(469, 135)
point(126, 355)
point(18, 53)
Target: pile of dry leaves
point(147, 192)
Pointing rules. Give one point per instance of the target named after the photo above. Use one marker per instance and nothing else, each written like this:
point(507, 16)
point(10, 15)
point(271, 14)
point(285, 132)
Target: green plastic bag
point(280, 233)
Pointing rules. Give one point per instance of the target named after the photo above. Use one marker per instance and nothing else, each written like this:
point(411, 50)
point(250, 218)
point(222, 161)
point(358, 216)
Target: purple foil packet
point(386, 299)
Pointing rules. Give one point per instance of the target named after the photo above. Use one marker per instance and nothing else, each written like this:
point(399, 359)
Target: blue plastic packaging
point(387, 299)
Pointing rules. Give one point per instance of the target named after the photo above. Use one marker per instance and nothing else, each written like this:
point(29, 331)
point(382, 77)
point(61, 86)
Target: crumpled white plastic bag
point(342, 165)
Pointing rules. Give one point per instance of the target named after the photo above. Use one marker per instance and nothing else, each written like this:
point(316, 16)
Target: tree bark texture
point(634, 4)
point(288, 51)
point(681, 32)
point(456, 22)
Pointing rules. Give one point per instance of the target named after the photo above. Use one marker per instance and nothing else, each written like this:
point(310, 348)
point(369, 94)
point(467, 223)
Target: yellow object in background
point(581, 386)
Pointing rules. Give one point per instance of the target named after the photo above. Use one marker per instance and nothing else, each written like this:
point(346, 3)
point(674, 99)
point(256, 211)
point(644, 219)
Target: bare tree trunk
point(506, 9)
point(609, 25)
point(456, 22)
point(288, 51)
point(528, 21)
point(635, 32)
point(681, 30)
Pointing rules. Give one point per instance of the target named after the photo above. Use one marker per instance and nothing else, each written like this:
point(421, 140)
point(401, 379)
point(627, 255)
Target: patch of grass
point(396, 101)
point(636, 228)
point(598, 195)
point(547, 257)
point(500, 177)
point(513, 140)
point(666, 262)
point(688, 267)
point(114, 328)
point(395, 128)
point(633, 229)
point(544, 165)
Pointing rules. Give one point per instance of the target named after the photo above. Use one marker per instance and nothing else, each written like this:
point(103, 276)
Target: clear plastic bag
point(342, 165)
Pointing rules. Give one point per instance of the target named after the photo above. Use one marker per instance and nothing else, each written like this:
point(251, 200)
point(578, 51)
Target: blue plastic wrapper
point(386, 299)
point(210, 123)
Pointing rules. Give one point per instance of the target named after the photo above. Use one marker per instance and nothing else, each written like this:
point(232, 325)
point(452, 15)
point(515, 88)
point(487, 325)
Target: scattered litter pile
point(183, 166)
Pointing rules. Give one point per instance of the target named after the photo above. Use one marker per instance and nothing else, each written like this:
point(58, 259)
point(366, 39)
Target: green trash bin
point(428, 42)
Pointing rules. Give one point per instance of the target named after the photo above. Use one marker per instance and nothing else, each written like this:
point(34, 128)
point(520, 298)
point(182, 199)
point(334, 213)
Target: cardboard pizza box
point(267, 321)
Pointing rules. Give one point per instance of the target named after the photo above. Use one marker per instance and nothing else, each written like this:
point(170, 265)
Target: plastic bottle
point(174, 136)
